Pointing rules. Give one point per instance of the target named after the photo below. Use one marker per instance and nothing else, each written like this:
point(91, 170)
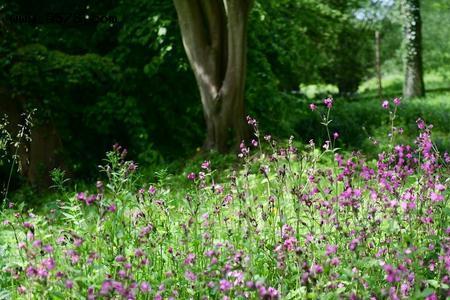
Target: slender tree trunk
point(41, 153)
point(413, 85)
point(378, 63)
point(45, 154)
point(13, 109)
point(214, 34)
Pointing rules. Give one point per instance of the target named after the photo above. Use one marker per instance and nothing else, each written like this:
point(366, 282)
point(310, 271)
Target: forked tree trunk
point(413, 85)
point(214, 34)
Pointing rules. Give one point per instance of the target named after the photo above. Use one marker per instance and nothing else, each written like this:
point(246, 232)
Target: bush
point(359, 120)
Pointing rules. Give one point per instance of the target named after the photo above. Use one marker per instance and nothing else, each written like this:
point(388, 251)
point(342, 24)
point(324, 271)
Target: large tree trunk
point(413, 85)
point(214, 34)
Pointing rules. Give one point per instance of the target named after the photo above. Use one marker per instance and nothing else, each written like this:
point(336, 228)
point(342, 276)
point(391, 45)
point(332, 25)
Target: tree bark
point(414, 84)
point(214, 34)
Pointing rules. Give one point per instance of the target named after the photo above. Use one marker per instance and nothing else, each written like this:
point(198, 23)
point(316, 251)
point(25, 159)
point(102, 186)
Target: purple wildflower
point(120, 258)
point(21, 290)
point(69, 284)
point(81, 197)
point(152, 190)
point(206, 165)
point(225, 285)
point(37, 244)
point(49, 263)
point(145, 287)
point(189, 275)
point(330, 249)
point(27, 225)
point(420, 124)
point(191, 176)
point(189, 259)
point(328, 102)
point(335, 261)
point(48, 248)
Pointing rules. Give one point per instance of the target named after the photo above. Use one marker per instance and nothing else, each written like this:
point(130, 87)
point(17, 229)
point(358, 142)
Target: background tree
point(353, 34)
point(214, 34)
point(436, 57)
point(344, 70)
point(413, 85)
point(283, 60)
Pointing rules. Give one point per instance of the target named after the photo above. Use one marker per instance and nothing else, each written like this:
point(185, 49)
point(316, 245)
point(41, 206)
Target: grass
point(284, 220)
point(393, 84)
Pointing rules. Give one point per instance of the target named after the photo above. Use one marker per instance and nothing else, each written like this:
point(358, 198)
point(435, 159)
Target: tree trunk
point(214, 34)
point(378, 63)
point(13, 109)
point(38, 156)
point(413, 85)
point(45, 154)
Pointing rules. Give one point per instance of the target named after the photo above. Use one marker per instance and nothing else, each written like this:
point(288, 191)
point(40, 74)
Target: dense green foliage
point(127, 80)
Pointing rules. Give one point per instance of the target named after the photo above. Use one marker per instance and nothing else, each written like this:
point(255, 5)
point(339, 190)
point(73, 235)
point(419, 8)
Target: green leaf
point(434, 283)
point(162, 31)
point(299, 293)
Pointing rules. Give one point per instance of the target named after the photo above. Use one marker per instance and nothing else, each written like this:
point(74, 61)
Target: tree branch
point(214, 11)
point(202, 30)
point(192, 27)
point(237, 19)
